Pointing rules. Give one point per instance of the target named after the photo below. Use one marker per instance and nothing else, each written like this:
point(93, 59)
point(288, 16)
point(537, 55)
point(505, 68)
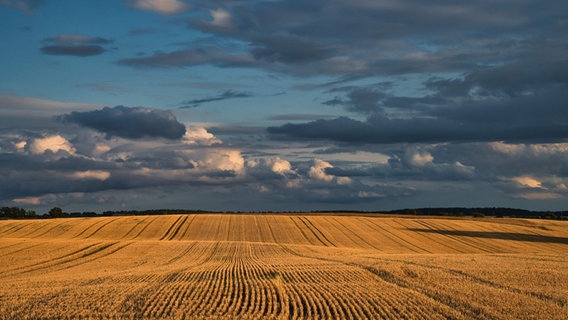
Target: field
point(231, 266)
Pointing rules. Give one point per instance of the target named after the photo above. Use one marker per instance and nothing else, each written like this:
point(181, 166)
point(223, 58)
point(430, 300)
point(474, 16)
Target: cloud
point(482, 105)
point(18, 112)
point(534, 188)
point(363, 100)
point(91, 174)
point(27, 201)
point(199, 136)
point(106, 87)
point(221, 18)
point(74, 45)
point(527, 182)
point(281, 166)
point(160, 6)
point(190, 57)
point(53, 143)
point(318, 172)
point(229, 94)
point(27, 6)
point(225, 162)
point(366, 38)
point(297, 117)
point(273, 165)
point(129, 122)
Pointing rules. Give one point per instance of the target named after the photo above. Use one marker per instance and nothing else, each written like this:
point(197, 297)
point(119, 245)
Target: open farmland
point(281, 266)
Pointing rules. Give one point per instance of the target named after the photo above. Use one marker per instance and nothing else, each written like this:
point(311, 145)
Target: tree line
point(57, 212)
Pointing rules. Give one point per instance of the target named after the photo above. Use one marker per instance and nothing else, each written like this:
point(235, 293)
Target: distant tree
point(16, 213)
point(30, 214)
point(56, 212)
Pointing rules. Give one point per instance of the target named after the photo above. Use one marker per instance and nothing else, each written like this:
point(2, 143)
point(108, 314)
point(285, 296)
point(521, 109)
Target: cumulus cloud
point(74, 45)
point(199, 136)
point(213, 163)
point(54, 143)
point(534, 188)
point(271, 167)
point(281, 166)
point(318, 172)
point(420, 158)
point(160, 6)
point(129, 122)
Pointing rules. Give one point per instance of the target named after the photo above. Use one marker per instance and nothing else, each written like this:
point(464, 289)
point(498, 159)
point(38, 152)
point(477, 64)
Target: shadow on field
point(495, 235)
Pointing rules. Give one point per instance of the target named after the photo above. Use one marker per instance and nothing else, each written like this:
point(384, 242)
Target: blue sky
point(283, 105)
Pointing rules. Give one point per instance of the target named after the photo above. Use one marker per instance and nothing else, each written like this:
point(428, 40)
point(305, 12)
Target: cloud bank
point(129, 122)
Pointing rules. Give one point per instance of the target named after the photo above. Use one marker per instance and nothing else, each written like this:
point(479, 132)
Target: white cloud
point(21, 145)
point(199, 136)
point(101, 149)
point(534, 149)
point(528, 182)
point(420, 159)
point(275, 164)
point(91, 174)
point(221, 18)
point(281, 166)
point(53, 143)
point(217, 160)
point(28, 200)
point(343, 180)
point(161, 6)
point(317, 172)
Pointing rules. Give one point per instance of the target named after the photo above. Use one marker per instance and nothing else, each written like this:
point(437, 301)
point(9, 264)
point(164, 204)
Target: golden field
point(279, 266)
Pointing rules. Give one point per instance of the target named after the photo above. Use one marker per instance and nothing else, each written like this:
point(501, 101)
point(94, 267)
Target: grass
point(281, 266)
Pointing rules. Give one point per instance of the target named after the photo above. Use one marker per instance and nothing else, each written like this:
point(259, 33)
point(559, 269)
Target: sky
point(254, 105)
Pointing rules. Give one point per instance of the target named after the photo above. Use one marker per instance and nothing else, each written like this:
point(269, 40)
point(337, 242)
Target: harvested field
point(278, 266)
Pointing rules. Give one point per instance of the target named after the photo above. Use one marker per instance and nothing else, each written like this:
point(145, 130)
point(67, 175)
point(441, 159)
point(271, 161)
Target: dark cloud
point(75, 45)
point(517, 101)
point(385, 131)
point(298, 116)
point(189, 57)
point(229, 94)
point(128, 122)
point(364, 100)
point(366, 38)
point(288, 50)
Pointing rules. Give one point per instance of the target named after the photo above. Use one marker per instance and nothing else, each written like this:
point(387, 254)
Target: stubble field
point(231, 266)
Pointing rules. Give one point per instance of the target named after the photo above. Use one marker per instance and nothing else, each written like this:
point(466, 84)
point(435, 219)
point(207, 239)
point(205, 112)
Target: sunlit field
point(279, 266)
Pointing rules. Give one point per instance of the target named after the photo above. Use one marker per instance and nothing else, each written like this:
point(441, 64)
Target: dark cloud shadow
point(495, 235)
